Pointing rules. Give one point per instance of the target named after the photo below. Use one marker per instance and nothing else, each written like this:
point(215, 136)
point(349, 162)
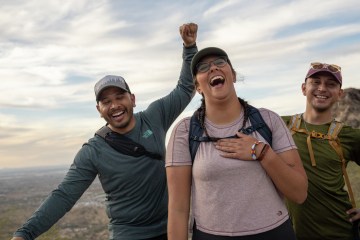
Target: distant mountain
point(348, 109)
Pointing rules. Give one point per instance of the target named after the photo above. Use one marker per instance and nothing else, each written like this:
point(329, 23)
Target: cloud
point(53, 52)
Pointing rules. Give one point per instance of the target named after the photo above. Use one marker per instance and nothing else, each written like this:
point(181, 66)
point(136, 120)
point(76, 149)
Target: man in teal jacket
point(135, 186)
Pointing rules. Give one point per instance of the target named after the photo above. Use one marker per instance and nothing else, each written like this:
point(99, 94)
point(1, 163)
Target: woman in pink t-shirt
point(236, 185)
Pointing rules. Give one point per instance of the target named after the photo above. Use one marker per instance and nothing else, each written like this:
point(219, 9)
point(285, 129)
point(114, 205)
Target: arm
point(61, 200)
point(179, 180)
point(179, 187)
point(165, 110)
point(285, 169)
point(288, 175)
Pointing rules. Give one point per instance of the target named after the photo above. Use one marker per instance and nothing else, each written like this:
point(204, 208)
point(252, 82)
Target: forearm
point(177, 224)
point(287, 173)
point(43, 219)
point(186, 81)
point(179, 186)
point(57, 204)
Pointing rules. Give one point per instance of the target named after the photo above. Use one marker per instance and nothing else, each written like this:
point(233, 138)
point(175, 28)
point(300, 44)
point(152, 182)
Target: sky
point(53, 52)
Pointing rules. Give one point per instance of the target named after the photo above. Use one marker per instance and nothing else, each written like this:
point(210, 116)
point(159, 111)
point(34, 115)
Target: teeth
point(216, 80)
point(117, 114)
point(322, 97)
point(216, 77)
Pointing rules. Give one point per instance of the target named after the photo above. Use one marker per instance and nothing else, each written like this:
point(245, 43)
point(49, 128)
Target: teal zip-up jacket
point(136, 190)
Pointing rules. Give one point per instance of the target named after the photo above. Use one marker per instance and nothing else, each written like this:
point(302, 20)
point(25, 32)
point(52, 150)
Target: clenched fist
point(188, 32)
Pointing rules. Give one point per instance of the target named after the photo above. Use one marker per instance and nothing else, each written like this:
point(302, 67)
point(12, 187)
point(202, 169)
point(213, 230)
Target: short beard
point(321, 110)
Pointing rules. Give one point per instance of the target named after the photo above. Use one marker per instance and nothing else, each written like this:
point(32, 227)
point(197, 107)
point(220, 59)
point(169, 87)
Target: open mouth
point(117, 114)
point(216, 81)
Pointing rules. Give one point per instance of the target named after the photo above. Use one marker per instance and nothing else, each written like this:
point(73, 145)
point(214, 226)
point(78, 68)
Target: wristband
point(253, 151)
point(263, 152)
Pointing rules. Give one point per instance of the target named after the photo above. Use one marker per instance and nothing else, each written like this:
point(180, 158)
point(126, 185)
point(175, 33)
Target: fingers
point(188, 28)
point(354, 213)
point(193, 27)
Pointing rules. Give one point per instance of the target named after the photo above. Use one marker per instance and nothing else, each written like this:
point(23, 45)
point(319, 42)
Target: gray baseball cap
point(110, 81)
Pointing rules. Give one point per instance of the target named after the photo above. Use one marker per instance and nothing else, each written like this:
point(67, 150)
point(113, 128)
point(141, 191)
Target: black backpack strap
point(196, 131)
point(258, 124)
point(124, 144)
point(103, 131)
point(195, 134)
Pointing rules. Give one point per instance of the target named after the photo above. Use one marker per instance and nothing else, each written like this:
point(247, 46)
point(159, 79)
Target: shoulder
point(350, 132)
point(270, 117)
point(183, 125)
point(93, 146)
point(265, 111)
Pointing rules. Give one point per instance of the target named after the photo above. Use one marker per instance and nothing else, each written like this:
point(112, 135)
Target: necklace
point(302, 117)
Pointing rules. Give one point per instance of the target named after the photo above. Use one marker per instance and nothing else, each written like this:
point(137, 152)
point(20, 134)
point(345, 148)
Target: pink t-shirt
point(231, 197)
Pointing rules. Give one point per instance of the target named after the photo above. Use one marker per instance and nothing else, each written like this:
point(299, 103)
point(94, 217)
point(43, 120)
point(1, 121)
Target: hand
point(188, 32)
point(239, 148)
point(354, 214)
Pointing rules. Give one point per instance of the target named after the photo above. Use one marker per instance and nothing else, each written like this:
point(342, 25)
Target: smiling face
point(217, 81)
point(116, 107)
point(322, 91)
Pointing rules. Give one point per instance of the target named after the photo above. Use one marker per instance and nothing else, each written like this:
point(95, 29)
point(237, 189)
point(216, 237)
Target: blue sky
point(53, 52)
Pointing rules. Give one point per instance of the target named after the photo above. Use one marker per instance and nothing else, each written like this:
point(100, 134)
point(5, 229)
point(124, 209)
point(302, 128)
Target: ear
point(341, 93)
point(98, 108)
point(198, 90)
point(132, 97)
point(303, 88)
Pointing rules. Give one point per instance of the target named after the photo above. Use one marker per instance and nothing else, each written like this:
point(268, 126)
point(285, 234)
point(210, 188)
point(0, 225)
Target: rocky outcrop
point(348, 108)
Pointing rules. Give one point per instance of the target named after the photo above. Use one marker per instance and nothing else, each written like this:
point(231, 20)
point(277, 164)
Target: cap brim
point(106, 87)
point(313, 71)
point(203, 53)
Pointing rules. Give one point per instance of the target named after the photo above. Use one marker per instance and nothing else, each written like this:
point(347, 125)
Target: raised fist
point(188, 32)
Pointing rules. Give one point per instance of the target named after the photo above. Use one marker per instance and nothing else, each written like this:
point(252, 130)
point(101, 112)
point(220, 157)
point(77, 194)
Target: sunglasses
point(331, 67)
point(205, 66)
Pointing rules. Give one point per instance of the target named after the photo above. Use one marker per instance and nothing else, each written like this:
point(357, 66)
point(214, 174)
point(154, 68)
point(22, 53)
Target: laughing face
point(217, 81)
point(322, 91)
point(116, 107)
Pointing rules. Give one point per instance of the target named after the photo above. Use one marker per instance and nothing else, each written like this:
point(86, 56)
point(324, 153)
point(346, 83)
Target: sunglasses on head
point(331, 67)
point(205, 66)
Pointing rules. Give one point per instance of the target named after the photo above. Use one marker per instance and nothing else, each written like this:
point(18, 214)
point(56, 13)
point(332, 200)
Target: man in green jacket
point(135, 185)
point(327, 213)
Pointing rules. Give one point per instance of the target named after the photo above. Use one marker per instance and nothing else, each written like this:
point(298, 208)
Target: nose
point(213, 66)
point(113, 105)
point(322, 86)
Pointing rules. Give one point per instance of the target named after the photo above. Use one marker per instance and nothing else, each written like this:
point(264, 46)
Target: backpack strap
point(103, 131)
point(124, 144)
point(196, 131)
point(258, 124)
point(294, 123)
point(332, 137)
point(334, 129)
point(195, 134)
point(294, 126)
